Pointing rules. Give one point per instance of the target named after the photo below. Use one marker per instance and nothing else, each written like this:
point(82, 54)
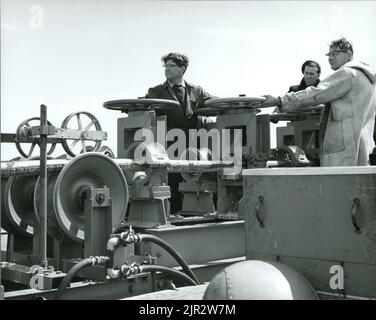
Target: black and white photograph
point(185, 156)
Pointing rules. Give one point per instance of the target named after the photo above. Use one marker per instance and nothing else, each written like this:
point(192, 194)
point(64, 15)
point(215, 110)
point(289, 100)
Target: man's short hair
point(342, 44)
point(311, 63)
point(181, 60)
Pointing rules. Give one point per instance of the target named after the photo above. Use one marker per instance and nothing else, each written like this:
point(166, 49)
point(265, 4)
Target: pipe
point(170, 271)
point(134, 269)
point(175, 165)
point(91, 261)
point(130, 237)
point(113, 273)
point(173, 252)
point(112, 243)
point(31, 167)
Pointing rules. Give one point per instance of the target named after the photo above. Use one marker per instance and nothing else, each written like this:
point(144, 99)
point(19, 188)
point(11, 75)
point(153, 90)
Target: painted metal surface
point(199, 243)
point(309, 217)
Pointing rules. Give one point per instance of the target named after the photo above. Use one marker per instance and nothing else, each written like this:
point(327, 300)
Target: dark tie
point(180, 93)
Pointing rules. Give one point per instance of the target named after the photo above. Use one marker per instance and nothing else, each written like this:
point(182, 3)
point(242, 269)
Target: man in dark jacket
point(190, 97)
point(311, 71)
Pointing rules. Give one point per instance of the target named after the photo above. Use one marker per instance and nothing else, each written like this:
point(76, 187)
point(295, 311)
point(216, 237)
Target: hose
point(169, 271)
point(173, 252)
point(91, 261)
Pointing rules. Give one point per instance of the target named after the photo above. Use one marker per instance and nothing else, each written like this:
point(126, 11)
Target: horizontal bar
point(31, 167)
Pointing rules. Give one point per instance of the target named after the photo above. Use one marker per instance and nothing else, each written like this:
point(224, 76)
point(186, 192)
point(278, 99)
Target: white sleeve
point(333, 87)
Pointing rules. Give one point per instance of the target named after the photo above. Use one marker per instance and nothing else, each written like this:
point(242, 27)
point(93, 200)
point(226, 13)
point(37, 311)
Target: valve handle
point(72, 149)
point(258, 211)
point(23, 131)
point(354, 208)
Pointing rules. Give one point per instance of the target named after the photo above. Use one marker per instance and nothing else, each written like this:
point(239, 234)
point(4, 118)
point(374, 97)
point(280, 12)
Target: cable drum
point(18, 203)
point(52, 223)
point(5, 222)
point(82, 172)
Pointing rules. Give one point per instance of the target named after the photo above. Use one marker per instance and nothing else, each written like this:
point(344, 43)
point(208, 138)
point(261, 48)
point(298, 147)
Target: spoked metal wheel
point(22, 134)
point(82, 121)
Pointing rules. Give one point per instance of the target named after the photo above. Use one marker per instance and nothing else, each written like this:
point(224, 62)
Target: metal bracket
point(43, 129)
point(98, 221)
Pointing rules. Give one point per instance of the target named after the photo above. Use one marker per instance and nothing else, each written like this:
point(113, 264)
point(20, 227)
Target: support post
point(98, 221)
point(1, 287)
point(43, 187)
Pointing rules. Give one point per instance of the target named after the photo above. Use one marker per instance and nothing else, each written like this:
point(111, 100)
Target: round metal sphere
point(259, 280)
point(82, 172)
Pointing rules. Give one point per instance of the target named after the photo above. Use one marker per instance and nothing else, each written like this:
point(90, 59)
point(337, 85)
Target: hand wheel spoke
point(31, 150)
point(79, 122)
point(82, 127)
point(73, 144)
point(89, 125)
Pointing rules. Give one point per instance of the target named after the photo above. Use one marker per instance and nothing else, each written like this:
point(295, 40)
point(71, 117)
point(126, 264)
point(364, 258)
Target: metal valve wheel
point(85, 121)
point(209, 112)
point(22, 136)
point(142, 104)
point(217, 106)
point(235, 102)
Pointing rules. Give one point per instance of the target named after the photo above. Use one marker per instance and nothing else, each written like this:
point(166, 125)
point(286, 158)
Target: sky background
point(73, 55)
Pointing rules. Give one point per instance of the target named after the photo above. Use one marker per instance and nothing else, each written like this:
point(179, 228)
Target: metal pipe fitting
point(112, 243)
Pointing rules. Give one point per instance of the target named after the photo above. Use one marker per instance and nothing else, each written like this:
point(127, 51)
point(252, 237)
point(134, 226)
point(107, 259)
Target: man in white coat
point(347, 122)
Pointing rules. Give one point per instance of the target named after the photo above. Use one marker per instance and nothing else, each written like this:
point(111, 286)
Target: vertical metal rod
point(1, 235)
point(43, 187)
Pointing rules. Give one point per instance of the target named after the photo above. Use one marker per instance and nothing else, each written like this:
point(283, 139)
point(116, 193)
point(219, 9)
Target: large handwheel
point(218, 106)
point(235, 103)
point(144, 104)
point(83, 145)
point(209, 112)
point(22, 133)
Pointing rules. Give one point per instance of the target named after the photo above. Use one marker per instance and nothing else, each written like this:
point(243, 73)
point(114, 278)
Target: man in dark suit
point(190, 97)
point(311, 71)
